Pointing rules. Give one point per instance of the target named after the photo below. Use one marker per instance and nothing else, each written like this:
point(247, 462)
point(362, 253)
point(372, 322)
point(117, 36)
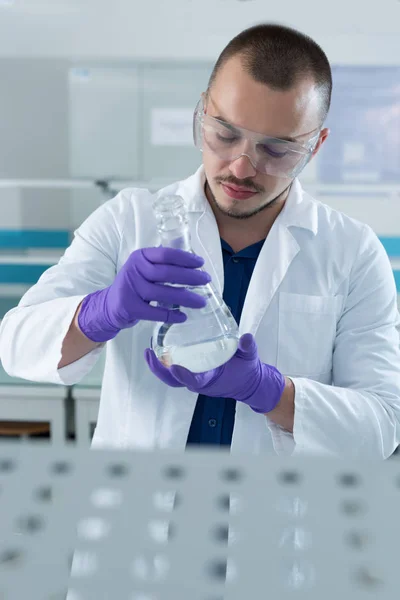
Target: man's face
point(239, 100)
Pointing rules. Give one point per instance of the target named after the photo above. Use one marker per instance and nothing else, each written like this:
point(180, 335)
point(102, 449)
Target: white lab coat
point(321, 305)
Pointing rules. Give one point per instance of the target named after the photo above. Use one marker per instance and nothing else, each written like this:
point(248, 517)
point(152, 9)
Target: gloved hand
point(140, 281)
point(244, 378)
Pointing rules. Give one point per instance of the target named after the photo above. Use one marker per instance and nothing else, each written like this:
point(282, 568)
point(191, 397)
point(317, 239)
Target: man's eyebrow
point(234, 128)
point(287, 139)
point(228, 125)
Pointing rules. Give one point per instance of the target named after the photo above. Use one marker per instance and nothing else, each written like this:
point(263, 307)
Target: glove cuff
point(92, 318)
point(269, 390)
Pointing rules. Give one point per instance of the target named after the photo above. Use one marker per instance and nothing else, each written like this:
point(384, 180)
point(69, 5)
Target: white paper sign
point(172, 127)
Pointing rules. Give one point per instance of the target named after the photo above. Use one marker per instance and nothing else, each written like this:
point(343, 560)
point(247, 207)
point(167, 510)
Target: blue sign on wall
point(364, 145)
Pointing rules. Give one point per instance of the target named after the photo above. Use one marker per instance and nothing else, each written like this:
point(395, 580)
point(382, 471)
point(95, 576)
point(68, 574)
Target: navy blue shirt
point(213, 418)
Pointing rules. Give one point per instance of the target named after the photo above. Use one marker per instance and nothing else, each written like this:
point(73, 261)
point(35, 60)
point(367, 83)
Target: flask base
point(199, 357)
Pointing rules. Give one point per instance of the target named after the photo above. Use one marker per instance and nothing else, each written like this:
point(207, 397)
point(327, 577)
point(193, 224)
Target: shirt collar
point(249, 252)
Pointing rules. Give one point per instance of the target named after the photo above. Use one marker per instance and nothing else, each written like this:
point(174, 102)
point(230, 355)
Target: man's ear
point(322, 138)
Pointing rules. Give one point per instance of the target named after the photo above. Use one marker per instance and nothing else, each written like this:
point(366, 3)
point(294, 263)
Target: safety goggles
point(273, 156)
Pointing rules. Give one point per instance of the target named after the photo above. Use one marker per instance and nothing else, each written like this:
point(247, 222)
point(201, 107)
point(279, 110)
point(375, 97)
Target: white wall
point(351, 31)
point(33, 118)
point(34, 140)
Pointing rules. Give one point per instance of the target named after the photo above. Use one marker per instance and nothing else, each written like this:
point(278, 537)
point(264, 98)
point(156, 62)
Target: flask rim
point(171, 204)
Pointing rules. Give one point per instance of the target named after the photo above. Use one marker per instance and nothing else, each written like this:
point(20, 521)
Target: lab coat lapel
point(277, 253)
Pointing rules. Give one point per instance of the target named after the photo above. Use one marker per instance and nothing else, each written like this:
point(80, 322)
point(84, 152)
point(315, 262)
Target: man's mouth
point(237, 192)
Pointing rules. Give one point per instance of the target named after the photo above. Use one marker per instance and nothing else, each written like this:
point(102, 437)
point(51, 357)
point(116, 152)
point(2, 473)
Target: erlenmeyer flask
point(210, 336)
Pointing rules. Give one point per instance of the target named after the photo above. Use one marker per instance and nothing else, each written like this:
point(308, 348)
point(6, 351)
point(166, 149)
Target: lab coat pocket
point(307, 331)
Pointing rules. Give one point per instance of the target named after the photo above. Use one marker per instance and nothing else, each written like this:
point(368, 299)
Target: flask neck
point(172, 222)
point(176, 238)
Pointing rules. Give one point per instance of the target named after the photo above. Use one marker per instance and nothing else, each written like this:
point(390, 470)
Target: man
point(318, 366)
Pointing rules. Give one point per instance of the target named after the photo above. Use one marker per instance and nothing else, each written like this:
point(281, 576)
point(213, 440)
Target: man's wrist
point(78, 328)
point(288, 390)
point(283, 413)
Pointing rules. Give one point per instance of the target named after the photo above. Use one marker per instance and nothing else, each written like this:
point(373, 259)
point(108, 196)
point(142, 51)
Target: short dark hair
point(280, 56)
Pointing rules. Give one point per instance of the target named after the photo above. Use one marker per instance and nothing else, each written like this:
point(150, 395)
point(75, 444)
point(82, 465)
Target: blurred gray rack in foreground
point(195, 525)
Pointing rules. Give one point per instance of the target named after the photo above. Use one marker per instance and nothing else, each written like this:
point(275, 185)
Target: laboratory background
point(97, 95)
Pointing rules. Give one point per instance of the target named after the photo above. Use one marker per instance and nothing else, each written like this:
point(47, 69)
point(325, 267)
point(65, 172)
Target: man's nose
point(242, 167)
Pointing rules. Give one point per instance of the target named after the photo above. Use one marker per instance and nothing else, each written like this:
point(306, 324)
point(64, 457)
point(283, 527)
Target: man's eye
point(227, 139)
point(272, 150)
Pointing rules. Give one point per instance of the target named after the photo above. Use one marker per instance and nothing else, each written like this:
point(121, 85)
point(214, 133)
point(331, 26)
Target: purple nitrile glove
point(244, 378)
point(140, 281)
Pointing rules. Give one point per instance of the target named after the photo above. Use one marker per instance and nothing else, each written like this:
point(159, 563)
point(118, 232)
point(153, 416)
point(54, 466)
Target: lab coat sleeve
point(31, 335)
point(359, 415)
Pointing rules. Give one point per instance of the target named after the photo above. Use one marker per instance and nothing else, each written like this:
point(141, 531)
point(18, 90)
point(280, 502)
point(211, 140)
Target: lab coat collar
point(300, 209)
point(192, 190)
